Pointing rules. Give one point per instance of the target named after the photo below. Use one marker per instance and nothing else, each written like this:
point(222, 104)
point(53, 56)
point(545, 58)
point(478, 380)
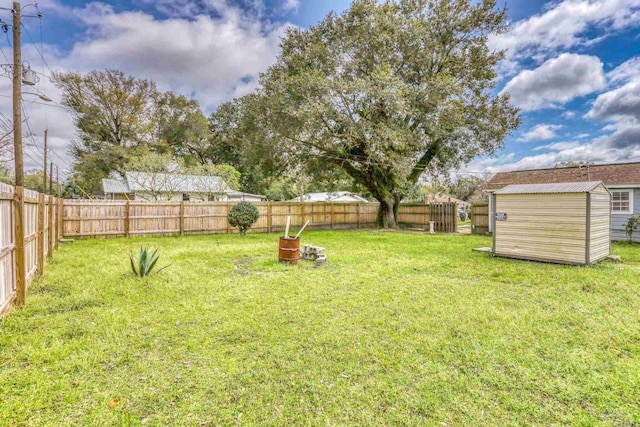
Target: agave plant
point(147, 259)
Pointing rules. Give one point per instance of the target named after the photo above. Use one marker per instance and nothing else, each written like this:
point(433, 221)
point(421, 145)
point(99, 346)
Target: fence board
point(480, 218)
point(83, 218)
point(39, 239)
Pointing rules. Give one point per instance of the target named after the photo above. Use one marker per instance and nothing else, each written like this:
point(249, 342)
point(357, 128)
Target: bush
point(462, 215)
point(631, 226)
point(243, 215)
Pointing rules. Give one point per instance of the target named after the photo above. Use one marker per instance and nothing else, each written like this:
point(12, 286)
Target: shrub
point(243, 215)
point(632, 225)
point(147, 259)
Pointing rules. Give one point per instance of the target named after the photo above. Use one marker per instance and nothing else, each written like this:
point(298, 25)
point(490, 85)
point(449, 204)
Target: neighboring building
point(439, 198)
point(234, 196)
point(622, 180)
point(336, 196)
point(172, 187)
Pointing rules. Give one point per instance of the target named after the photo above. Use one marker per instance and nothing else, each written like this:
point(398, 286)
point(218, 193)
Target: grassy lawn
point(398, 329)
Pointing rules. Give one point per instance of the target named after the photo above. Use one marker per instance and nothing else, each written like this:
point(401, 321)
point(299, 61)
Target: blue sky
point(572, 66)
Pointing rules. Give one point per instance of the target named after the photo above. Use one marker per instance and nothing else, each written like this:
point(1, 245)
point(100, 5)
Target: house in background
point(335, 196)
point(622, 180)
point(439, 198)
point(172, 187)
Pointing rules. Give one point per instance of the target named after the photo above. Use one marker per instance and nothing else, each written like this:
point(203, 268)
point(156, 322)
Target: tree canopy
point(386, 91)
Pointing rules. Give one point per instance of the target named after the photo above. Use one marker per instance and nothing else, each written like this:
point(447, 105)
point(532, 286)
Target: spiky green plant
point(147, 259)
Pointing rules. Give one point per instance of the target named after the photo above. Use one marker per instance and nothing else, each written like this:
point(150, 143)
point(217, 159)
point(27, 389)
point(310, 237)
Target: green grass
point(398, 329)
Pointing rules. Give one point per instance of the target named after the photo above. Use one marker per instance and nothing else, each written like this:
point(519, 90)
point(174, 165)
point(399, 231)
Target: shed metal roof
point(561, 187)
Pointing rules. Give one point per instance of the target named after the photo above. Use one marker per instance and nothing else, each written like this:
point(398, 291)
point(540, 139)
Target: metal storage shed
point(565, 223)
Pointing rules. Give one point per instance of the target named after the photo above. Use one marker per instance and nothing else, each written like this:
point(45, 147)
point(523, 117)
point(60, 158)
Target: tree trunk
point(387, 212)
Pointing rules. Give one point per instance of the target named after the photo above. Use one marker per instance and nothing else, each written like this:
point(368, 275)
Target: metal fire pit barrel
point(289, 250)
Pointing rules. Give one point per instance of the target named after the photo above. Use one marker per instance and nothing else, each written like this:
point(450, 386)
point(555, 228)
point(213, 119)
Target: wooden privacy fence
point(42, 230)
point(96, 218)
point(479, 218)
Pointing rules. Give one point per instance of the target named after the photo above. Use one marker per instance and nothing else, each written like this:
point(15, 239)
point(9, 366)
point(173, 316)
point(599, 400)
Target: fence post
point(50, 232)
point(455, 217)
point(55, 223)
point(127, 214)
point(332, 215)
point(226, 218)
point(358, 215)
point(181, 217)
point(301, 212)
point(40, 260)
point(60, 222)
point(269, 221)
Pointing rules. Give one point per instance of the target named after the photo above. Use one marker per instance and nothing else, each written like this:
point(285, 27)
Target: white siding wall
point(176, 197)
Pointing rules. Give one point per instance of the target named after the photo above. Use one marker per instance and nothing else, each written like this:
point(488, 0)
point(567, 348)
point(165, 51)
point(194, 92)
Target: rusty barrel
point(289, 250)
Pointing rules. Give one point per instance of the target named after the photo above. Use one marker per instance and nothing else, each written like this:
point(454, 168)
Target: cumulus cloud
point(565, 24)
point(620, 104)
point(558, 146)
point(556, 82)
point(625, 72)
point(540, 132)
point(291, 4)
point(215, 57)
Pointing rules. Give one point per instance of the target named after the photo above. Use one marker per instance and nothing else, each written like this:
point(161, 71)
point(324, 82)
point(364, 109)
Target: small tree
point(631, 226)
point(243, 215)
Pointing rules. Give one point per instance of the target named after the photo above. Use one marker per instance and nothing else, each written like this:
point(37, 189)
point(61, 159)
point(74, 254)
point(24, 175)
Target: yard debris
point(315, 253)
point(286, 230)
point(115, 402)
point(302, 229)
point(614, 258)
point(483, 249)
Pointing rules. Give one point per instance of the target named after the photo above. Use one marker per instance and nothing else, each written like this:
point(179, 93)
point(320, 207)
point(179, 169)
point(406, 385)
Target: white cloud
point(625, 72)
point(556, 82)
point(565, 24)
point(621, 104)
point(216, 58)
point(558, 146)
point(291, 4)
point(568, 114)
point(540, 132)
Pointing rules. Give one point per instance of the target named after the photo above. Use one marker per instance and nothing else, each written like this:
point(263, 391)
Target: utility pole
point(50, 178)
point(21, 276)
point(44, 183)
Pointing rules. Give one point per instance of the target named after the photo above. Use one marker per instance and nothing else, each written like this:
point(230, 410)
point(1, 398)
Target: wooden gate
point(479, 218)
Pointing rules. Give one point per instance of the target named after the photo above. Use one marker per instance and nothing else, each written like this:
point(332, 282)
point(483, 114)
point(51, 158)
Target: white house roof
point(335, 196)
point(564, 187)
point(115, 186)
point(163, 182)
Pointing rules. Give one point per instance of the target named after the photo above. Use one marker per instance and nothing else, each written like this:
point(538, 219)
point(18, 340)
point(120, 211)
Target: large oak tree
point(388, 90)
